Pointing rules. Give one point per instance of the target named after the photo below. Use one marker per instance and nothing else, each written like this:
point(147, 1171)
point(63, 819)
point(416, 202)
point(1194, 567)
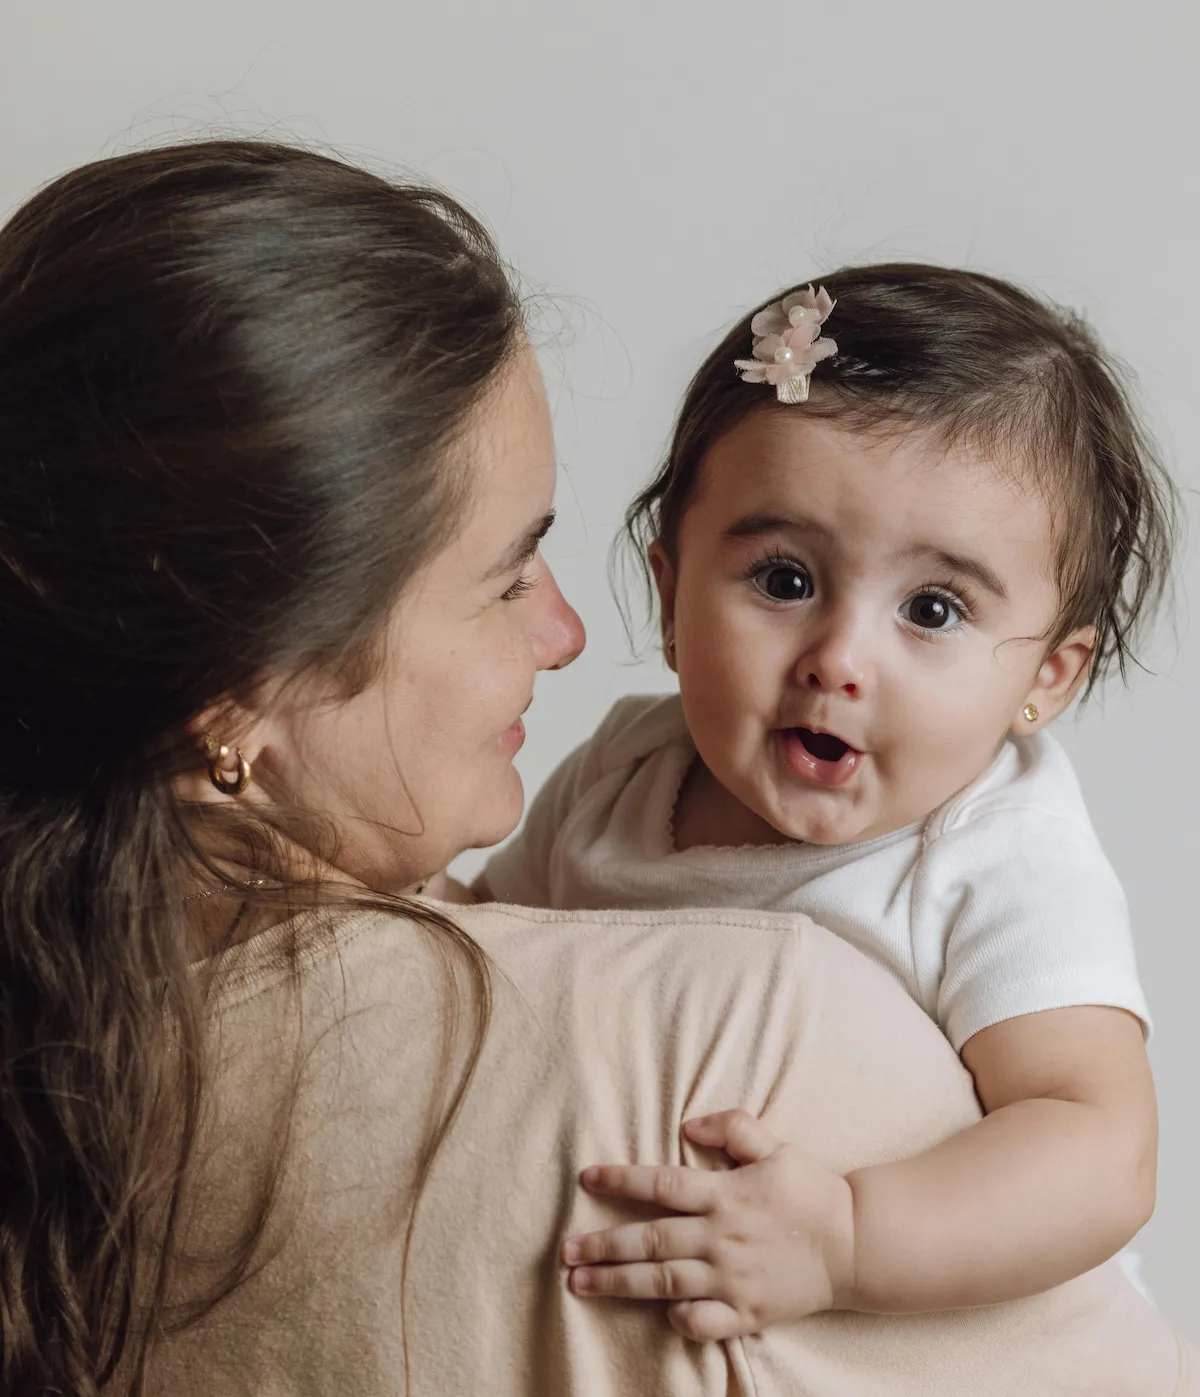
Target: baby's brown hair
point(972, 359)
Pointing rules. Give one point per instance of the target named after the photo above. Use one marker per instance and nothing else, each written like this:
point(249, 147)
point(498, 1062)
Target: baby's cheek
point(936, 760)
point(717, 679)
point(721, 732)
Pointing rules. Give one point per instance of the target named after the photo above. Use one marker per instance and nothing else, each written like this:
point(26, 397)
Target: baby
point(877, 597)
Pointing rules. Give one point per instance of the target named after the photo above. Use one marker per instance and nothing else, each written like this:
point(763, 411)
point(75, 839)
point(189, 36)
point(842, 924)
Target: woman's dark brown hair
point(968, 358)
point(231, 378)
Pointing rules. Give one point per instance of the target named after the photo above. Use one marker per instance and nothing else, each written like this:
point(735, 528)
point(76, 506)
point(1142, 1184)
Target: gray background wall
point(656, 168)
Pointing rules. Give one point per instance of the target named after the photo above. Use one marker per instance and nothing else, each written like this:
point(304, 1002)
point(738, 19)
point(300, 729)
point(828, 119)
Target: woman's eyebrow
point(523, 549)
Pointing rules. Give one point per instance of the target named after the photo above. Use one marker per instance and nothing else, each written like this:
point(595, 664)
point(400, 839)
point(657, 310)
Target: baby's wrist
point(841, 1250)
point(877, 1277)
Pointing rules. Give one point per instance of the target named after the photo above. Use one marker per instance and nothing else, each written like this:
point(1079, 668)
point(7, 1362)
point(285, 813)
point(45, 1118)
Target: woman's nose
point(558, 632)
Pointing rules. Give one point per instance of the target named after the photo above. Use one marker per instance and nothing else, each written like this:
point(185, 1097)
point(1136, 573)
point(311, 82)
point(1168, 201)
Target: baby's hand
point(768, 1242)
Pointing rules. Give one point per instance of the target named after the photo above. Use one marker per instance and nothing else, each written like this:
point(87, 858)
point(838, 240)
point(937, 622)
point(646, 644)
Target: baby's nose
point(850, 687)
point(834, 665)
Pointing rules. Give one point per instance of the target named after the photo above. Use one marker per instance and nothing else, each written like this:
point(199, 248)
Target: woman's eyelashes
point(520, 588)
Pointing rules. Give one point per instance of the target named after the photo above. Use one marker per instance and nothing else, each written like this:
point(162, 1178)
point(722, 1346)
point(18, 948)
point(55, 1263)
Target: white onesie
point(998, 904)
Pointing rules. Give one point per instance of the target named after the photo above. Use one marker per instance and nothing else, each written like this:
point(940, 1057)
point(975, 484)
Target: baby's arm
point(1053, 1181)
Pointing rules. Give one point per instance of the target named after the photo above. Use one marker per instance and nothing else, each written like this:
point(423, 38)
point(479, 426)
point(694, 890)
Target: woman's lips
point(819, 757)
point(512, 739)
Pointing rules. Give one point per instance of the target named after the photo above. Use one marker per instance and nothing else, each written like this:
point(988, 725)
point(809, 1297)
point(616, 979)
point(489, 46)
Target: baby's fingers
point(662, 1239)
point(707, 1321)
point(645, 1280)
point(676, 1188)
point(738, 1133)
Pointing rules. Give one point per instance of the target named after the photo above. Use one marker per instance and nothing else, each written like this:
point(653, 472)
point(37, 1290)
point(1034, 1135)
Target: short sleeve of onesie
point(1037, 919)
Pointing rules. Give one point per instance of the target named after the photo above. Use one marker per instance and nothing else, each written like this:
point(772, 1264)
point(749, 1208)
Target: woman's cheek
point(508, 677)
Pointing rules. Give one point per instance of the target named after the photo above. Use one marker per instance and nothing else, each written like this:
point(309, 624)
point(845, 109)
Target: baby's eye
point(784, 582)
point(931, 611)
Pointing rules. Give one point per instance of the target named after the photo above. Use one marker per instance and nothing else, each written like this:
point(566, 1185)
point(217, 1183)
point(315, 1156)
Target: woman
point(275, 462)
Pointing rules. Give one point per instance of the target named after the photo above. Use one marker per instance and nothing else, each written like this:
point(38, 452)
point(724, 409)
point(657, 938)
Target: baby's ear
point(1063, 673)
point(664, 580)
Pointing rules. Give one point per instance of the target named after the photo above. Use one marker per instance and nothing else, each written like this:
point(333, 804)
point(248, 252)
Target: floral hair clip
point(788, 343)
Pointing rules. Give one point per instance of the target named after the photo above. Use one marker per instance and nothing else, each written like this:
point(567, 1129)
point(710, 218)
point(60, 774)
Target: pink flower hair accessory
point(788, 344)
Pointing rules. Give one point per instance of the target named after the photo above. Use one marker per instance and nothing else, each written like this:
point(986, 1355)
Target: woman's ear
point(225, 734)
point(1062, 674)
point(664, 580)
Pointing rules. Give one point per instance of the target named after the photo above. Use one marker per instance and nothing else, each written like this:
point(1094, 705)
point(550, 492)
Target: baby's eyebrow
point(962, 563)
point(751, 525)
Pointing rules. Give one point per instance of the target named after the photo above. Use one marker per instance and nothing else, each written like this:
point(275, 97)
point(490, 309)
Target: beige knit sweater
point(608, 1029)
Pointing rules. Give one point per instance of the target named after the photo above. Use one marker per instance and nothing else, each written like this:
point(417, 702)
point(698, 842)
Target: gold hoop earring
point(218, 756)
point(1030, 713)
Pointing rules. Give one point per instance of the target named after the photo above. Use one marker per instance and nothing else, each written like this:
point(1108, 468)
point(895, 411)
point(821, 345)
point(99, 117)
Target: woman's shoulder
point(608, 1028)
point(693, 950)
point(605, 1030)
point(707, 963)
point(705, 950)
point(776, 974)
point(720, 1006)
point(629, 996)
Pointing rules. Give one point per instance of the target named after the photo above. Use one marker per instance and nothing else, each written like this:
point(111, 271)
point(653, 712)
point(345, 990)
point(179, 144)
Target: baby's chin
point(825, 819)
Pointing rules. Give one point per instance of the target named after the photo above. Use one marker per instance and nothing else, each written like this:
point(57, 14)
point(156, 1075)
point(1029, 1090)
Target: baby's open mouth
point(823, 745)
point(819, 756)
